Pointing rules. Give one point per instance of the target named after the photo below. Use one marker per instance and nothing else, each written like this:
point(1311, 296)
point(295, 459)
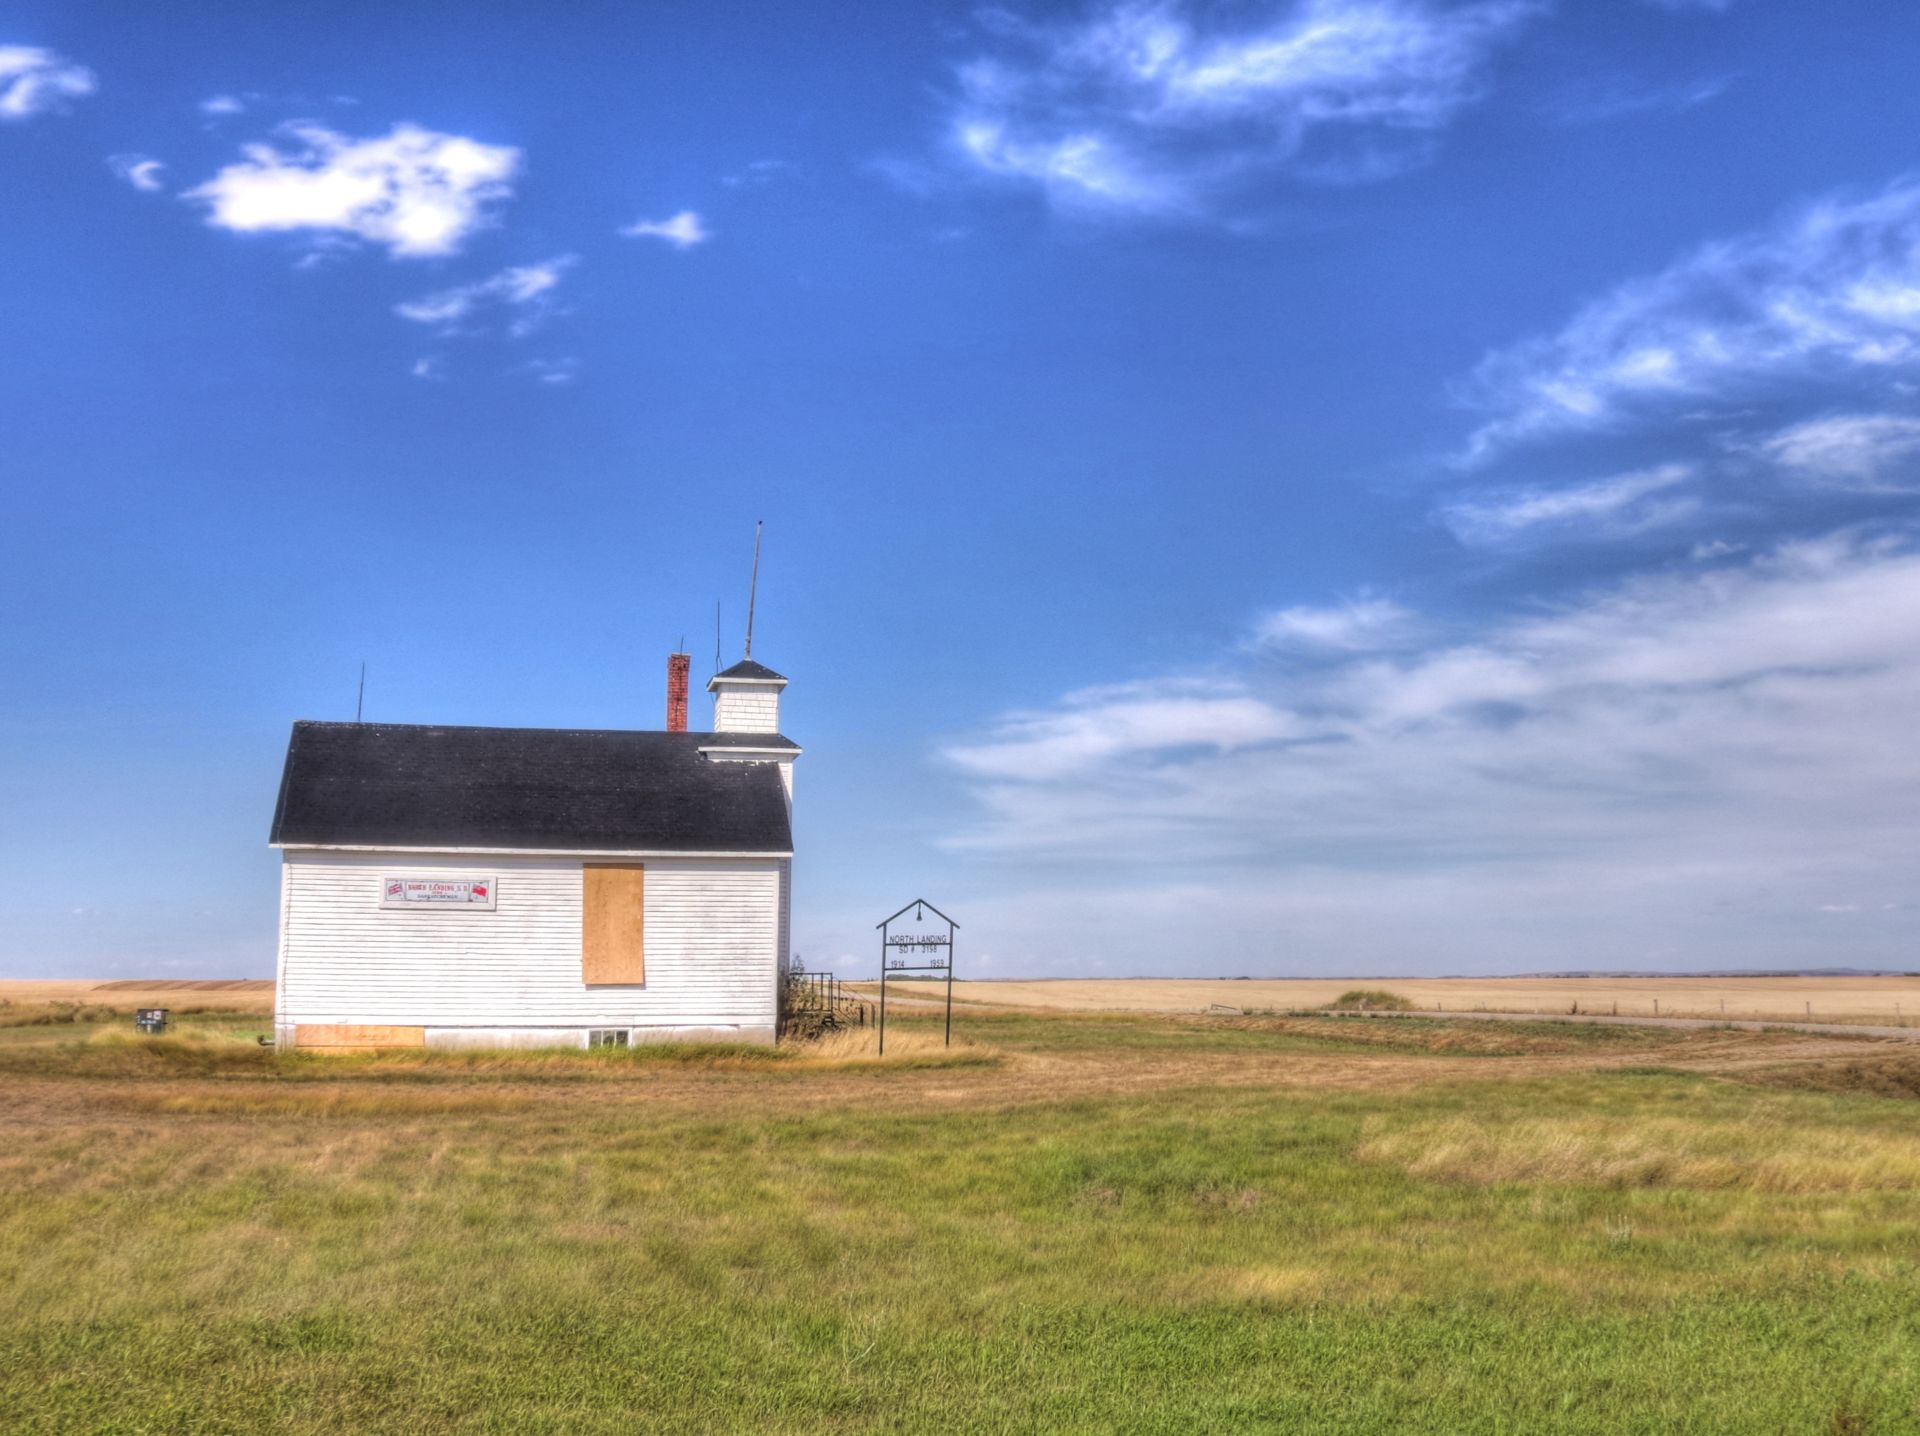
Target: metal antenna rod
point(360, 701)
point(716, 635)
point(753, 592)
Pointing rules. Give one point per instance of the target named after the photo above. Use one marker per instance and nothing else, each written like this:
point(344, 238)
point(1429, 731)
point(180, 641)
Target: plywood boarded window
point(613, 926)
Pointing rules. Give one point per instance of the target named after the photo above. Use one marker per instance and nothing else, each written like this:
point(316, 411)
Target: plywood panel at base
point(359, 1037)
point(613, 926)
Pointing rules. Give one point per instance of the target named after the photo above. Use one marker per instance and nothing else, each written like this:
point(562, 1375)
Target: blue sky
point(1337, 486)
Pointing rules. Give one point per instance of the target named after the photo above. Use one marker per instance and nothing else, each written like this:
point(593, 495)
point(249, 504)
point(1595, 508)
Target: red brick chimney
point(677, 691)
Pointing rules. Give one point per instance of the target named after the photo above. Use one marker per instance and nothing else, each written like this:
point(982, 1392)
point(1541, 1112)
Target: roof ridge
point(496, 728)
point(750, 668)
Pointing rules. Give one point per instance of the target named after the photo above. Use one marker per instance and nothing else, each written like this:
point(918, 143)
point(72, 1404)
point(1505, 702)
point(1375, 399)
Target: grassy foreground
point(1095, 1224)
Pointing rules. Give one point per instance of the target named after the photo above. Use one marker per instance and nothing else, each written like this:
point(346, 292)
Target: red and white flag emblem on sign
point(393, 889)
point(479, 892)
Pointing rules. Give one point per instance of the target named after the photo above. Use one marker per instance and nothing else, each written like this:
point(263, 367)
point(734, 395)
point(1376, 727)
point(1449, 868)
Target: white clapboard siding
point(786, 915)
point(714, 929)
point(746, 710)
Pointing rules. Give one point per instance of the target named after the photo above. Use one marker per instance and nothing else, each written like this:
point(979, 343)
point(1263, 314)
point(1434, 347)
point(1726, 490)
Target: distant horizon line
point(1570, 973)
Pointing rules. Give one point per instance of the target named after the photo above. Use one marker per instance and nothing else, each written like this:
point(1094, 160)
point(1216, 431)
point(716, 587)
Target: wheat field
point(223, 995)
point(1877, 1000)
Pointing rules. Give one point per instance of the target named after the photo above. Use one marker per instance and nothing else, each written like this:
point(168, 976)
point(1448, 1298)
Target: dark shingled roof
point(406, 785)
point(747, 668)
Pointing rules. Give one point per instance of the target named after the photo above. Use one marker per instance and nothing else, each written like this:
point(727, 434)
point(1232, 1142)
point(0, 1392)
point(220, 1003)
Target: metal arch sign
point(917, 952)
point(923, 949)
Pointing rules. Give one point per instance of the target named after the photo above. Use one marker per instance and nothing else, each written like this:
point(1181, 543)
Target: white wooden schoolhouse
point(486, 887)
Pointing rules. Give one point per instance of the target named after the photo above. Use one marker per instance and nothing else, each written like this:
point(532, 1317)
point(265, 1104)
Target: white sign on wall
point(468, 892)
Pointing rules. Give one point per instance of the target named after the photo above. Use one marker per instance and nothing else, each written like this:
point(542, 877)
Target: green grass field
point(1087, 1224)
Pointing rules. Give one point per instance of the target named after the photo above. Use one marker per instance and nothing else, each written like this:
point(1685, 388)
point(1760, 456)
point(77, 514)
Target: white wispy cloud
point(1623, 503)
point(417, 192)
point(526, 290)
point(683, 230)
point(553, 371)
point(1830, 292)
point(1123, 721)
point(1655, 770)
point(218, 105)
point(1357, 625)
point(1146, 107)
point(141, 171)
point(1707, 550)
point(1878, 453)
point(34, 81)
point(1598, 102)
point(1082, 169)
point(759, 172)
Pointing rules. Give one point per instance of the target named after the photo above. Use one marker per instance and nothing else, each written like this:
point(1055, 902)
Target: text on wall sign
point(465, 892)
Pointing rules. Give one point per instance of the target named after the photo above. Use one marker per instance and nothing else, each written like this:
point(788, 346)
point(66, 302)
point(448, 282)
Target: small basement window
point(607, 1037)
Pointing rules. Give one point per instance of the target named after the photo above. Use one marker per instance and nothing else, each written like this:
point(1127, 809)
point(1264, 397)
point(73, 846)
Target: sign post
point(921, 951)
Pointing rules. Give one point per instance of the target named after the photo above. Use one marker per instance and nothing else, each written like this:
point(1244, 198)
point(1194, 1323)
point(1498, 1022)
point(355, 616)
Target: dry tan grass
point(329, 1102)
point(190, 1040)
point(1262, 1284)
point(1126, 1058)
point(228, 995)
point(836, 1050)
point(1465, 1039)
point(1656, 1152)
point(1138, 1206)
point(860, 1046)
point(1881, 1075)
point(1888, 1000)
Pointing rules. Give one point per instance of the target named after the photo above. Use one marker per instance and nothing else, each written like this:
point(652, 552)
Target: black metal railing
point(817, 1002)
